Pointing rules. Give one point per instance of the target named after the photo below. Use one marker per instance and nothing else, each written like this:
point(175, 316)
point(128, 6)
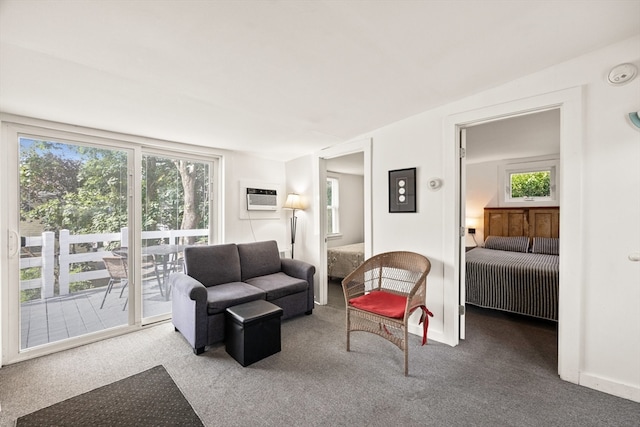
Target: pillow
point(513, 244)
point(381, 302)
point(546, 245)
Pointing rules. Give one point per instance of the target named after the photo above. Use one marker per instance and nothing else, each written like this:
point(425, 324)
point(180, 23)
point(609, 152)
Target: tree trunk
point(190, 215)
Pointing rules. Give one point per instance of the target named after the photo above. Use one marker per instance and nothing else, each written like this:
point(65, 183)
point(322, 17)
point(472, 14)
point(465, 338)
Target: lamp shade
point(472, 222)
point(293, 202)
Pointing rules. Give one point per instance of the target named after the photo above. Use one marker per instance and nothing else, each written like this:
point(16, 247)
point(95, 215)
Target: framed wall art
point(402, 190)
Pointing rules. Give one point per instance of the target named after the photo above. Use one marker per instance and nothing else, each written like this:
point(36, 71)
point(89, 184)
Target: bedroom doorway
point(570, 103)
point(344, 234)
point(348, 166)
point(491, 148)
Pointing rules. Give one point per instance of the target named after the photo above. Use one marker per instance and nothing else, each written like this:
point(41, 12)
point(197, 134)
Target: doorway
point(353, 158)
point(345, 220)
point(490, 148)
point(569, 102)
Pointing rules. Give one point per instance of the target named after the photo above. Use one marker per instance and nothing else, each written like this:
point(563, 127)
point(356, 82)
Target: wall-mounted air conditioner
point(259, 199)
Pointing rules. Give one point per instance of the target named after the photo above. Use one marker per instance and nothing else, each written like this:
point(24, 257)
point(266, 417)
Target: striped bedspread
point(516, 282)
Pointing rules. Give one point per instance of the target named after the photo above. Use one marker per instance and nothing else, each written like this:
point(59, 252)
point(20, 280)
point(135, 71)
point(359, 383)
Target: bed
point(342, 260)
point(517, 270)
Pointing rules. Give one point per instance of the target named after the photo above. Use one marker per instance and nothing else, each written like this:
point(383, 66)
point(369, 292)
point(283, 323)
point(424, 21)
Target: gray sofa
point(220, 276)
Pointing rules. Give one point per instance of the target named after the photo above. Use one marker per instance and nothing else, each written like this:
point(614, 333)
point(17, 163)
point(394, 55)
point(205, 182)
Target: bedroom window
point(333, 202)
point(530, 183)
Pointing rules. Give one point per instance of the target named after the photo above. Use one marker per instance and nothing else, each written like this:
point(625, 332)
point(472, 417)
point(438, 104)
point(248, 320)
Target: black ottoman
point(252, 331)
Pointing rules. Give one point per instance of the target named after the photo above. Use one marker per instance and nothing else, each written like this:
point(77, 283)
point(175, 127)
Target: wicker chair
point(383, 292)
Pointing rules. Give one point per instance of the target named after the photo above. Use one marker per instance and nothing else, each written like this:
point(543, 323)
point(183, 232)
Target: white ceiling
point(279, 78)
point(352, 164)
point(529, 135)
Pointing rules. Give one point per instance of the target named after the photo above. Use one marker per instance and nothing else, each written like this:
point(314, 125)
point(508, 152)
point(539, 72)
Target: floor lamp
point(293, 202)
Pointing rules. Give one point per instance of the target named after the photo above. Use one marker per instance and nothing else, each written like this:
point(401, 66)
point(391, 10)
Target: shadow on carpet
point(149, 398)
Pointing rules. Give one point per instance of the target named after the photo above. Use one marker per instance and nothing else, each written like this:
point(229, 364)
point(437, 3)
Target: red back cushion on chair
point(382, 303)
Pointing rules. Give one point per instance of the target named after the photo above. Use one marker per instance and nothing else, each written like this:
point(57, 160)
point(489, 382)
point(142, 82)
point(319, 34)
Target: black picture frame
point(402, 190)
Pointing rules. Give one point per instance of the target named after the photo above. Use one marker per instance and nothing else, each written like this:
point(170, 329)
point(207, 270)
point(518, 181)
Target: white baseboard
point(431, 335)
point(608, 386)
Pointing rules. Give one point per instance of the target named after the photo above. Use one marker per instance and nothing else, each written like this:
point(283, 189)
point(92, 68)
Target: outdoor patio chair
point(382, 294)
point(118, 272)
point(148, 267)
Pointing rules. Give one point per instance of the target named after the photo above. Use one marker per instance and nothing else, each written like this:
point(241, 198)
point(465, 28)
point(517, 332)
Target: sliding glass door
point(96, 224)
point(73, 211)
point(175, 213)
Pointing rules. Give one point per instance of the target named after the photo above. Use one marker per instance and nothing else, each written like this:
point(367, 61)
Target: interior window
point(530, 183)
point(333, 201)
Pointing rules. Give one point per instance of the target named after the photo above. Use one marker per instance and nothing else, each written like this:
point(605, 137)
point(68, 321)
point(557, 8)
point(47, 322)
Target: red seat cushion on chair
point(382, 303)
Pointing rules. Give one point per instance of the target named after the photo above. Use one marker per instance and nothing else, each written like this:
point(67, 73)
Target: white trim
point(611, 387)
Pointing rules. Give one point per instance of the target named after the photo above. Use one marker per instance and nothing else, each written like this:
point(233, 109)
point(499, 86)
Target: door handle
point(14, 243)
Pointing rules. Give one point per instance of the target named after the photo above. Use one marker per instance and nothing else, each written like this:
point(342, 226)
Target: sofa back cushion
point(259, 259)
point(214, 264)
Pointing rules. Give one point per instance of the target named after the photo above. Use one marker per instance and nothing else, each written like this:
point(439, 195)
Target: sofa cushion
point(259, 259)
point(220, 297)
point(214, 264)
point(278, 285)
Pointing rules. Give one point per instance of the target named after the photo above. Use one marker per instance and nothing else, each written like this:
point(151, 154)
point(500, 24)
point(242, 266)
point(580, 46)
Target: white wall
point(301, 174)
point(351, 210)
point(608, 159)
point(482, 190)
point(239, 224)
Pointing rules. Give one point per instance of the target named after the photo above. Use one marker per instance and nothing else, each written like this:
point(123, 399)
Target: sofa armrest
point(186, 286)
point(189, 309)
point(301, 270)
point(298, 269)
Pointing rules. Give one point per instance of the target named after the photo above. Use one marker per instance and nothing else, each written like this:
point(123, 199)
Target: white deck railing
point(47, 260)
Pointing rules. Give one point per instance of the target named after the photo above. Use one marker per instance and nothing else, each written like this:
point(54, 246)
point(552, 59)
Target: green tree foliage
point(45, 176)
point(531, 184)
point(175, 194)
point(84, 189)
point(75, 188)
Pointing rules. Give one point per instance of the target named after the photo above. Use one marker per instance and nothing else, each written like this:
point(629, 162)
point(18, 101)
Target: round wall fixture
point(622, 74)
point(434, 183)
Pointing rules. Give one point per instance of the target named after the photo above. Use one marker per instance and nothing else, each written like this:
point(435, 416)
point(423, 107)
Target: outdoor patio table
point(162, 254)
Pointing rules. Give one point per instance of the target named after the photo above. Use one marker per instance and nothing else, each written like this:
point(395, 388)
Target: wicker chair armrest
point(354, 285)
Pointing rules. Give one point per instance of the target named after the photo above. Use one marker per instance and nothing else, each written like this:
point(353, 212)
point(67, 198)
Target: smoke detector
point(622, 74)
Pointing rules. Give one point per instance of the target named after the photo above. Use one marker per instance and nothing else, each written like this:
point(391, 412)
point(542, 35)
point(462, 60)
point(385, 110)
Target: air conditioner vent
point(259, 199)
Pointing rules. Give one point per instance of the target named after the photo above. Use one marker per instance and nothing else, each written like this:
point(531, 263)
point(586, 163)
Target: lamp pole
point(294, 224)
point(294, 203)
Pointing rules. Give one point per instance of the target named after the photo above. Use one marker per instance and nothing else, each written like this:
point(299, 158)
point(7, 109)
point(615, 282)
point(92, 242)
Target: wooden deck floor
point(53, 319)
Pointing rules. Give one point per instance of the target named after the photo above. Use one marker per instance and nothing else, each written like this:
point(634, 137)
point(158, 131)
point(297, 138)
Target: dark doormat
point(149, 398)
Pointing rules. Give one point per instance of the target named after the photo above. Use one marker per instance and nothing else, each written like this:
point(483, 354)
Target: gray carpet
point(149, 398)
point(503, 374)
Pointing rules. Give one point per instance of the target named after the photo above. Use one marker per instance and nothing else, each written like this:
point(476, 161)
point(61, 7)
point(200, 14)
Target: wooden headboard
point(531, 222)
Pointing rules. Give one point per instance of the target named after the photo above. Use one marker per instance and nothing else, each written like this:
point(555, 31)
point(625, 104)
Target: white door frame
point(320, 188)
point(462, 141)
point(569, 101)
